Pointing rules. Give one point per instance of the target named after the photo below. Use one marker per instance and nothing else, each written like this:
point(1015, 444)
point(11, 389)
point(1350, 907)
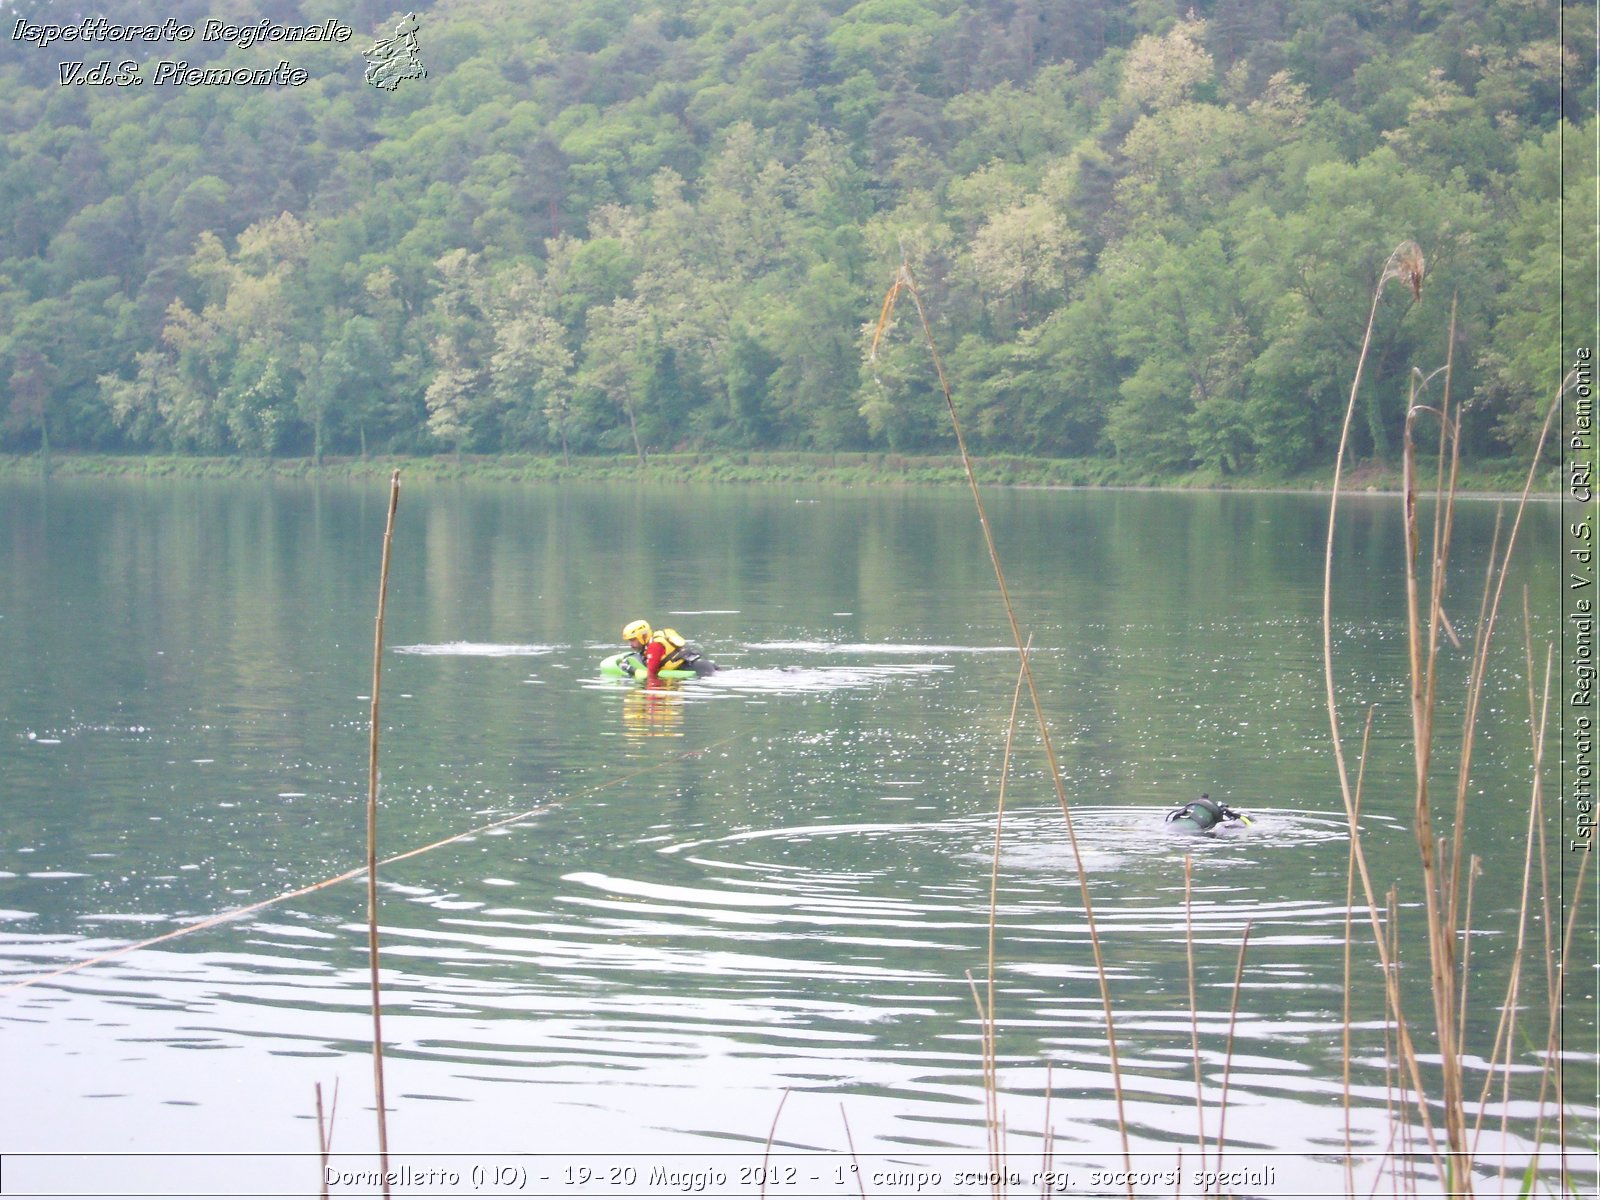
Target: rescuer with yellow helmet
point(664, 650)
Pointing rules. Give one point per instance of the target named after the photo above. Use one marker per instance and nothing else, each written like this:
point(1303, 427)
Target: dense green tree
point(616, 366)
point(747, 377)
point(1547, 312)
point(1023, 255)
point(346, 394)
point(462, 408)
point(1180, 315)
point(813, 331)
point(1316, 270)
point(50, 361)
point(1074, 368)
point(257, 399)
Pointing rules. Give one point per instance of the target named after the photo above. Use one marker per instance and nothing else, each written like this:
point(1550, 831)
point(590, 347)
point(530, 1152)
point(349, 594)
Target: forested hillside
point(1143, 230)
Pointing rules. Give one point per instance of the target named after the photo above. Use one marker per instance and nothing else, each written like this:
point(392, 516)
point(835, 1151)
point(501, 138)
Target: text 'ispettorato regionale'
point(93, 30)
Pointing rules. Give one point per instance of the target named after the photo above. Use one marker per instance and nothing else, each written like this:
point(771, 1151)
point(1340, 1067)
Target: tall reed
point(1445, 864)
point(325, 1134)
point(986, 1003)
point(1194, 1005)
point(905, 284)
point(372, 837)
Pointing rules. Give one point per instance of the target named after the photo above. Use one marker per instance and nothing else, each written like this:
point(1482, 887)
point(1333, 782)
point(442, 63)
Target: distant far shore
point(861, 469)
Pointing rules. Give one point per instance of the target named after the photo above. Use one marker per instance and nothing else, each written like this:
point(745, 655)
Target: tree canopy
point(1145, 232)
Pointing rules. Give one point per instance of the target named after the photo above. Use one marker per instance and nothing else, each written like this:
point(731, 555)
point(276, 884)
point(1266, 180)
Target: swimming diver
point(1205, 816)
point(660, 650)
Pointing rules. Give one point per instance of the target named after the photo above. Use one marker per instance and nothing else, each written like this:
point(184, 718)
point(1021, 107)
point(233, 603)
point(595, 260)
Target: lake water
point(743, 908)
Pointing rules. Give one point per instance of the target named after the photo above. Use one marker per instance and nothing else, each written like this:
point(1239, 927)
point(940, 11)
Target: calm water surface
point(743, 907)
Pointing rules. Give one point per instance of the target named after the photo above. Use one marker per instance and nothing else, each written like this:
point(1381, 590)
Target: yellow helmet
point(635, 630)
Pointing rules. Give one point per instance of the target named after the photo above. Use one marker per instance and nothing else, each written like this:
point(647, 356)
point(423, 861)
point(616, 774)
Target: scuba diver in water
point(663, 650)
point(1206, 816)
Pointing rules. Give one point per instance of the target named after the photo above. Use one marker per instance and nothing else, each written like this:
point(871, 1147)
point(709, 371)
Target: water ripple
point(479, 649)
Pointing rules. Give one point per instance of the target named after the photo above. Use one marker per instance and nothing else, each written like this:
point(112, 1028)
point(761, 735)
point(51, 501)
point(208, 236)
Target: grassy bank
point(753, 467)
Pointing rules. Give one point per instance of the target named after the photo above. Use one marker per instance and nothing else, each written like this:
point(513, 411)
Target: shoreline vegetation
point(757, 467)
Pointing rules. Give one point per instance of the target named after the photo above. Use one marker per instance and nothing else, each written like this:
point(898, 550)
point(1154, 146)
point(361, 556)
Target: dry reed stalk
point(991, 1092)
point(372, 839)
point(1194, 1004)
point(325, 1134)
point(1554, 963)
point(1554, 1077)
point(1443, 890)
point(772, 1132)
point(1474, 873)
point(1405, 264)
point(855, 1162)
point(1554, 1067)
point(1227, 1060)
point(991, 1076)
point(904, 283)
point(1048, 1145)
point(1394, 1017)
point(1498, 573)
point(1424, 697)
point(1442, 885)
point(1349, 943)
point(1553, 973)
point(1505, 1030)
